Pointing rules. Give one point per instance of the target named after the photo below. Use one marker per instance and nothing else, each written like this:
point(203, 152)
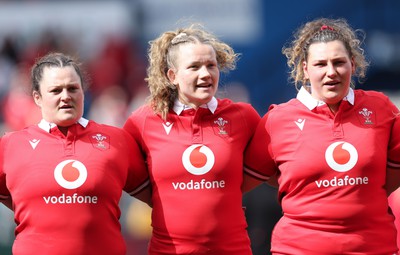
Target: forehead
point(195, 51)
point(56, 75)
point(327, 49)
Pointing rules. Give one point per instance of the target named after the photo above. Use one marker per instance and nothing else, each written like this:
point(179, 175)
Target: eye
point(55, 90)
point(73, 89)
point(319, 64)
point(194, 67)
point(340, 62)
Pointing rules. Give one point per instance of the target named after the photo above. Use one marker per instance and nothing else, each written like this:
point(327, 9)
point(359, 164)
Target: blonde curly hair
point(162, 55)
point(324, 30)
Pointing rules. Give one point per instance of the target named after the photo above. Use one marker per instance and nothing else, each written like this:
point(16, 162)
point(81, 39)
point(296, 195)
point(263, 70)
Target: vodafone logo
point(198, 159)
point(341, 156)
point(70, 174)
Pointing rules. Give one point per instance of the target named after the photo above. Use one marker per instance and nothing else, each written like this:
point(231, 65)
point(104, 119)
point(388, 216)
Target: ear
point(353, 66)
point(305, 70)
point(37, 98)
point(171, 76)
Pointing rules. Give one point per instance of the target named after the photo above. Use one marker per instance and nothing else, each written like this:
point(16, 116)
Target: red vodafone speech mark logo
point(341, 156)
point(198, 159)
point(70, 174)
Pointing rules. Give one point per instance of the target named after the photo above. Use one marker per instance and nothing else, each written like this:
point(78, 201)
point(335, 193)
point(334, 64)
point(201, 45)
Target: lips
point(331, 83)
point(204, 85)
point(66, 107)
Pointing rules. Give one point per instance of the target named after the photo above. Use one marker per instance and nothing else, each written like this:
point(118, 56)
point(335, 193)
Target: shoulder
point(375, 98)
point(104, 128)
point(20, 133)
point(239, 112)
point(242, 109)
point(359, 93)
point(284, 107)
point(242, 106)
point(116, 134)
point(141, 114)
point(143, 110)
point(15, 139)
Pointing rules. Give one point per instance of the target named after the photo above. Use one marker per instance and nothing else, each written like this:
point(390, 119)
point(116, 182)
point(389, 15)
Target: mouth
point(204, 85)
point(332, 83)
point(65, 107)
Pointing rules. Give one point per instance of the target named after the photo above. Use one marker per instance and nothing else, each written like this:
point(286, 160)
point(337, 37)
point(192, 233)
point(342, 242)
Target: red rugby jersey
point(331, 172)
point(195, 160)
point(66, 190)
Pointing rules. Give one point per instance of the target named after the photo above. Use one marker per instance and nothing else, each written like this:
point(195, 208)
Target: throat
point(334, 107)
point(63, 130)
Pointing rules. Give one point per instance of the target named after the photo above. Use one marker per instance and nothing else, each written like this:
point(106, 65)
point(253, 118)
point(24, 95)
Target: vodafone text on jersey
point(341, 157)
point(198, 159)
point(70, 174)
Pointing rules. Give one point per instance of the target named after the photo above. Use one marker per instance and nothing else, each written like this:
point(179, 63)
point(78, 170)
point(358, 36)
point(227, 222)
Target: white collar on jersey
point(305, 98)
point(46, 126)
point(179, 107)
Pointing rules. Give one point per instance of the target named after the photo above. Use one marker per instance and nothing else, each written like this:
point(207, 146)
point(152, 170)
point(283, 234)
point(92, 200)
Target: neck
point(334, 107)
point(63, 130)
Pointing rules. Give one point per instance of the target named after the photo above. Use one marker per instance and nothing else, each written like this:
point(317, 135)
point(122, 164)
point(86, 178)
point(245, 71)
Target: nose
point(331, 71)
point(65, 96)
point(204, 72)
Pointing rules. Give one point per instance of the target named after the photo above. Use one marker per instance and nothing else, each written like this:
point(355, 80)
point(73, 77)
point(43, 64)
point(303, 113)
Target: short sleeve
point(252, 118)
point(138, 177)
point(258, 159)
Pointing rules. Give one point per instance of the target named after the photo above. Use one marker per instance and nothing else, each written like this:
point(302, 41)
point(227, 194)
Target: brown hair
point(324, 30)
point(55, 59)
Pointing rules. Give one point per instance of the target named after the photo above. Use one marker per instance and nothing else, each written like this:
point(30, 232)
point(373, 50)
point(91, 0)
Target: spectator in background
point(194, 146)
point(66, 175)
point(110, 106)
point(333, 149)
point(19, 110)
point(118, 63)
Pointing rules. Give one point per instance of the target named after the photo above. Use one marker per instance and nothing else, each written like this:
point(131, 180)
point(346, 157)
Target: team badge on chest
point(221, 126)
point(100, 141)
point(366, 116)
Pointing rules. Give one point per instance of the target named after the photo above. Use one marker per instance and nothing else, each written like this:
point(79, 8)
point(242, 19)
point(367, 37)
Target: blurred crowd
point(116, 77)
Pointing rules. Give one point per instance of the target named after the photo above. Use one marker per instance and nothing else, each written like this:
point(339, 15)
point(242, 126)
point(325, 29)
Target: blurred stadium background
point(111, 39)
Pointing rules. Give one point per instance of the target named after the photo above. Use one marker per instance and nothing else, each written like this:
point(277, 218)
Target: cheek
point(185, 82)
point(216, 75)
point(315, 74)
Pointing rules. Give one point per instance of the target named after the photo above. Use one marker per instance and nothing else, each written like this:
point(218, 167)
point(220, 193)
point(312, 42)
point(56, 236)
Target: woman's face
point(61, 96)
point(196, 74)
point(329, 69)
